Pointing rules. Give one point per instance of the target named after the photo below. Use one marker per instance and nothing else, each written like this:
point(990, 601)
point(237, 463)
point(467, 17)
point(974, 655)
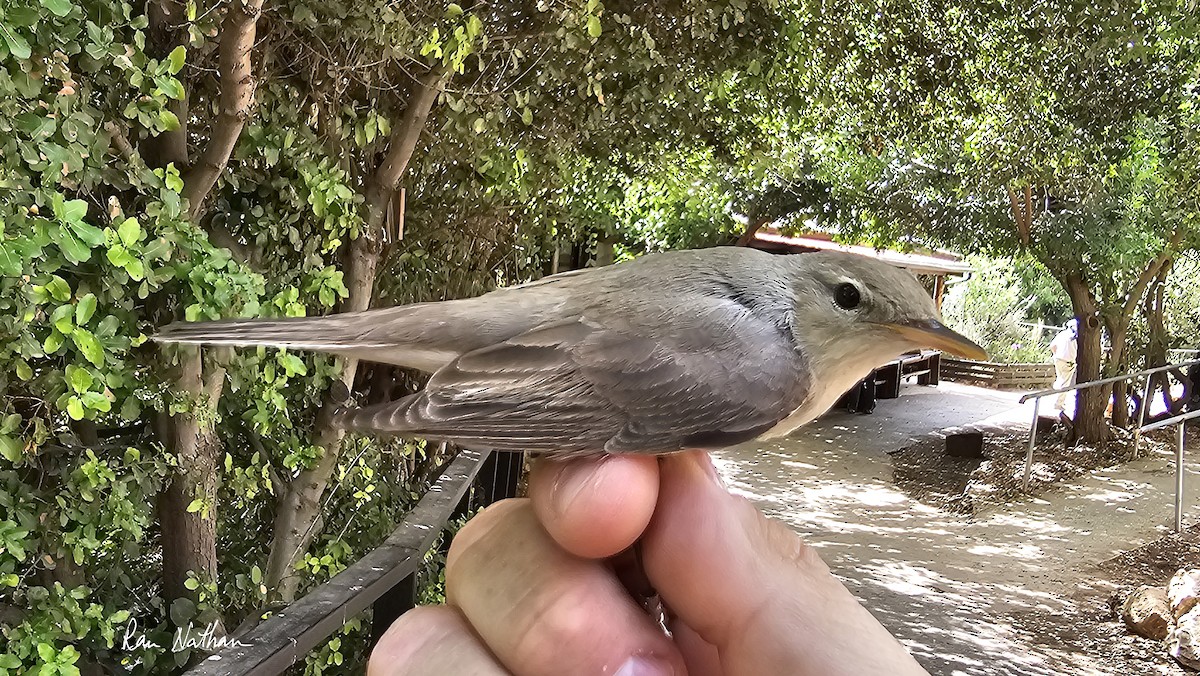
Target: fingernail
point(645, 665)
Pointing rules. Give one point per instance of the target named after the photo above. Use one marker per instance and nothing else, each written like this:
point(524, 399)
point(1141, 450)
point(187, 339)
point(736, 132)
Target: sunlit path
point(946, 583)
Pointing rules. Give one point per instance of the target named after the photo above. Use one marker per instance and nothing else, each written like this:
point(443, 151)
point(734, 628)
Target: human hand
point(531, 591)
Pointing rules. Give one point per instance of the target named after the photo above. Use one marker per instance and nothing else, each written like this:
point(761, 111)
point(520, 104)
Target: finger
point(432, 641)
point(700, 656)
point(542, 610)
point(753, 588)
point(595, 507)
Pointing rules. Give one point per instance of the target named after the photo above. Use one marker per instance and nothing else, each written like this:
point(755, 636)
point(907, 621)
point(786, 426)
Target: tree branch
point(118, 138)
point(1019, 216)
point(752, 228)
point(299, 506)
point(1150, 272)
point(237, 97)
point(401, 144)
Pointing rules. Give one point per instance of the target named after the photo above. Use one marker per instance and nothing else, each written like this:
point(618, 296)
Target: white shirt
point(1063, 346)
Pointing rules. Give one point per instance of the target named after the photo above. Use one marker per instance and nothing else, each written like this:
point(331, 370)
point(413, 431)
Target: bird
point(679, 350)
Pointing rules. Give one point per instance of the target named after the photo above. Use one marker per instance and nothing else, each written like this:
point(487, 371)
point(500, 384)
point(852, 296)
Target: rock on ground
point(1147, 613)
point(1183, 592)
point(1185, 640)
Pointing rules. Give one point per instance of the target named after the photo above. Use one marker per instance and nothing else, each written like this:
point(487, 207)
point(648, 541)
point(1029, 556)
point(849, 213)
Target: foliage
point(997, 305)
point(1183, 304)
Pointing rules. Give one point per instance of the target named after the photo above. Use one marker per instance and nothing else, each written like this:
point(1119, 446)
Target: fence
point(384, 579)
point(997, 375)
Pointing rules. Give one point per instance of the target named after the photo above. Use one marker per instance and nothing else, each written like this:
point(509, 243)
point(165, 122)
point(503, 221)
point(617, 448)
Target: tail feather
point(336, 333)
point(389, 336)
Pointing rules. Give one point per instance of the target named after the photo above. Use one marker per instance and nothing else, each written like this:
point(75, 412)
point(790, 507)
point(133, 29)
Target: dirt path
point(959, 590)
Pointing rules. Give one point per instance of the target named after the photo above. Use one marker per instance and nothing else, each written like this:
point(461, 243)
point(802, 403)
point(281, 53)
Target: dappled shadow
point(947, 585)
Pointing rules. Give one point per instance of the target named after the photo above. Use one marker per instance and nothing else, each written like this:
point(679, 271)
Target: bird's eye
point(847, 296)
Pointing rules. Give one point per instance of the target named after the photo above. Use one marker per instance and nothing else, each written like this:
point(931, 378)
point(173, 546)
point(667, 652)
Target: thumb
point(752, 588)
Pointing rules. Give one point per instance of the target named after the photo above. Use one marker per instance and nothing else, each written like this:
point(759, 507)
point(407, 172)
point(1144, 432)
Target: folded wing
point(722, 375)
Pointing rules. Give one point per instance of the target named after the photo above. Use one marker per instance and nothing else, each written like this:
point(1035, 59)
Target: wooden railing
point(384, 579)
point(1000, 376)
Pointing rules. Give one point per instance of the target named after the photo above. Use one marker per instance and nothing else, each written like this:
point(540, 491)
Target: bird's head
point(860, 309)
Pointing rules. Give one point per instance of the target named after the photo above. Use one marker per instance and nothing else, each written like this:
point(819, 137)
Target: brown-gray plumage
point(687, 349)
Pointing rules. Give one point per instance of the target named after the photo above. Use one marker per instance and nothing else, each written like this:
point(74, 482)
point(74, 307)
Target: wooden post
point(400, 215)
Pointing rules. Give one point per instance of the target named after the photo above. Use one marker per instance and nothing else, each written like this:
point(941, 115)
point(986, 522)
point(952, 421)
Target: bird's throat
point(841, 368)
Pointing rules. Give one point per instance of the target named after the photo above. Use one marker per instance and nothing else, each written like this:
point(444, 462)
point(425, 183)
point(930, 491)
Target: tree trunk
point(605, 252)
point(298, 509)
point(1158, 340)
point(1090, 426)
point(1118, 363)
point(189, 538)
point(753, 225)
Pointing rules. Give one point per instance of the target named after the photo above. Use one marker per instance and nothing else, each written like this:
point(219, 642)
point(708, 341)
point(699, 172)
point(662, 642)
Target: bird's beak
point(933, 334)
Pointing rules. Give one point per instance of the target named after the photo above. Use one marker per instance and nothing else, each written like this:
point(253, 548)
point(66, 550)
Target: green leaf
point(58, 288)
point(10, 448)
point(90, 234)
point(96, 401)
point(70, 212)
point(61, 318)
point(89, 346)
point(293, 364)
point(118, 255)
point(58, 7)
point(85, 309)
point(130, 232)
point(53, 342)
point(176, 58)
point(168, 120)
point(75, 408)
point(71, 246)
point(11, 423)
point(12, 259)
point(193, 507)
point(170, 87)
point(16, 44)
point(135, 269)
point(183, 610)
point(79, 379)
point(593, 26)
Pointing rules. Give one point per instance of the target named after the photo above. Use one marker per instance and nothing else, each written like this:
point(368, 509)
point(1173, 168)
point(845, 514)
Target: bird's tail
point(334, 333)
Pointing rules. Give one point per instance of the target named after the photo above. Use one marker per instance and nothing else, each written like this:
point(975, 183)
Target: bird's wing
point(721, 376)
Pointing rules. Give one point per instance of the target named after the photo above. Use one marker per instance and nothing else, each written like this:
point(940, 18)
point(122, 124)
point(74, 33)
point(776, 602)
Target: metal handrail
point(1137, 438)
point(1167, 422)
point(1106, 381)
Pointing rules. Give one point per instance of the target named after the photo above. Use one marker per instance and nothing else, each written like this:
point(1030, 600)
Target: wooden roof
point(930, 263)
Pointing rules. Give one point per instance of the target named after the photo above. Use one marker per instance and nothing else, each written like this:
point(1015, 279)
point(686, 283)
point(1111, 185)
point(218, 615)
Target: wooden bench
point(884, 382)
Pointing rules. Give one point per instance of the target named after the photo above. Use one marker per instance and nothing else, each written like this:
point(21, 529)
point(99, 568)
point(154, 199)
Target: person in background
point(1063, 350)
